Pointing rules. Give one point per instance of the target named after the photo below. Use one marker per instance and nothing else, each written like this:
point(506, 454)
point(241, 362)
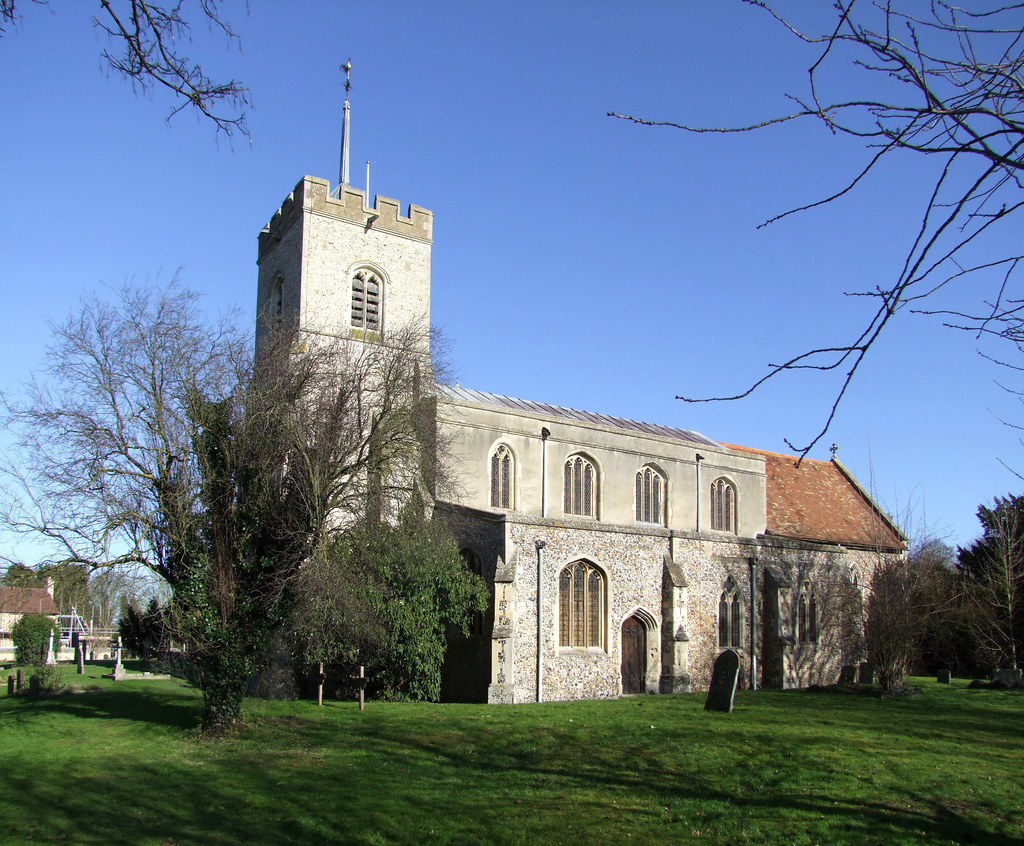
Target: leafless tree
point(906, 593)
point(145, 40)
point(156, 438)
point(946, 82)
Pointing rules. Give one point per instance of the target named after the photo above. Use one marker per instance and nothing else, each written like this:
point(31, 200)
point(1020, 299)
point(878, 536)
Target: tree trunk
point(224, 686)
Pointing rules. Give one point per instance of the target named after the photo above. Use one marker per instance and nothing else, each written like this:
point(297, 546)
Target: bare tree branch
point(958, 95)
point(145, 40)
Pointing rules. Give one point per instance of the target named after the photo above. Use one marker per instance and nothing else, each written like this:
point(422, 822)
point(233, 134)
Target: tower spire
point(343, 175)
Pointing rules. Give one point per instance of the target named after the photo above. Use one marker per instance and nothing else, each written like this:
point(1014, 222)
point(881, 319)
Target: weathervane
point(834, 449)
point(347, 67)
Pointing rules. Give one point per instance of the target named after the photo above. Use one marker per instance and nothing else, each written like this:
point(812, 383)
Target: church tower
point(330, 264)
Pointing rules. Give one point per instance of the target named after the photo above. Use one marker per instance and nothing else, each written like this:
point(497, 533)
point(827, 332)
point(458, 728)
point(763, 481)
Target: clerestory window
point(650, 496)
point(579, 492)
point(502, 478)
point(807, 616)
point(723, 506)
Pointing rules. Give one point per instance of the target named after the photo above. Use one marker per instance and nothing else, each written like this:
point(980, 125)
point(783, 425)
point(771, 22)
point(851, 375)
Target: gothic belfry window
point(366, 295)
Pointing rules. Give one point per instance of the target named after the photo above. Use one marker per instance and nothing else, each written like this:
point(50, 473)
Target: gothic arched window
point(730, 617)
point(807, 616)
point(366, 292)
point(581, 601)
point(503, 468)
point(650, 496)
point(579, 492)
point(723, 506)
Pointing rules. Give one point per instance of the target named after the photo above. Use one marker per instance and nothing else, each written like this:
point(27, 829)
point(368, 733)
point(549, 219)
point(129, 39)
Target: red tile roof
point(26, 601)
point(821, 501)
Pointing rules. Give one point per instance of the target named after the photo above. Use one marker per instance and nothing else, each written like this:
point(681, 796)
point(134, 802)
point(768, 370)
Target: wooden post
point(10, 685)
point(320, 679)
point(362, 686)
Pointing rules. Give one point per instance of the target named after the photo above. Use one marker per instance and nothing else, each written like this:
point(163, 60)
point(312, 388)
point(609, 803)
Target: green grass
point(126, 764)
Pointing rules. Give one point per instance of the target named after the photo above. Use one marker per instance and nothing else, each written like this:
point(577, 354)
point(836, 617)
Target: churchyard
point(124, 762)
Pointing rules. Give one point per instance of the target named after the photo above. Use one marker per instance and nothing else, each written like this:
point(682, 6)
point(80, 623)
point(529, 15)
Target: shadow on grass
point(174, 706)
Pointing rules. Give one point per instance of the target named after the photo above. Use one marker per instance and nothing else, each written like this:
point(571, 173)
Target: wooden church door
point(634, 656)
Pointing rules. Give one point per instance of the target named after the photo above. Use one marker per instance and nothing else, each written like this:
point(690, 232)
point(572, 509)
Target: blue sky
point(578, 260)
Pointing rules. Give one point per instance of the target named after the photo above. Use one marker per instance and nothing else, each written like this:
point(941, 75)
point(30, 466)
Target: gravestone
point(10, 685)
point(847, 674)
point(723, 682)
point(943, 677)
point(866, 673)
point(34, 685)
point(1011, 678)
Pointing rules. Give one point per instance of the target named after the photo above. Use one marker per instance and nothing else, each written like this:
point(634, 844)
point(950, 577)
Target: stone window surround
point(513, 479)
point(601, 648)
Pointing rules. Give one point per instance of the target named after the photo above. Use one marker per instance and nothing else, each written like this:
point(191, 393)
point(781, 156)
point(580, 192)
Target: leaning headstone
point(723, 682)
point(34, 685)
point(847, 674)
point(943, 677)
point(866, 673)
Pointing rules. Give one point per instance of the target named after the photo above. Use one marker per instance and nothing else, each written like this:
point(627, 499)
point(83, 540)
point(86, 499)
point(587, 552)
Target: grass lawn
point(126, 764)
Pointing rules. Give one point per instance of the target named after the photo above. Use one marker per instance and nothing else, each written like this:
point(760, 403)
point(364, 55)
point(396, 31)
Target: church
point(622, 557)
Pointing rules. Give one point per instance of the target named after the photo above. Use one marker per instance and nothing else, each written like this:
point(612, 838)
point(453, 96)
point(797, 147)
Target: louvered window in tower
point(366, 301)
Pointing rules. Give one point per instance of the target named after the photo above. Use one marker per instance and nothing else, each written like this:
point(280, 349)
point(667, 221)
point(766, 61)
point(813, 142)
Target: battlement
point(313, 194)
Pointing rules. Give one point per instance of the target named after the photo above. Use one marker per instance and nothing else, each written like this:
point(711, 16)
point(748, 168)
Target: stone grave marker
point(723, 682)
point(1011, 678)
point(847, 674)
point(943, 677)
point(866, 673)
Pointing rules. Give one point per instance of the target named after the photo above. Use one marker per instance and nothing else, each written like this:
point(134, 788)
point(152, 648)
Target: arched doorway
point(634, 656)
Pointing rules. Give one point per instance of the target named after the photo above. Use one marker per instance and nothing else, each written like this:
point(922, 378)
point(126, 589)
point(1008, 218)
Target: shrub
point(31, 636)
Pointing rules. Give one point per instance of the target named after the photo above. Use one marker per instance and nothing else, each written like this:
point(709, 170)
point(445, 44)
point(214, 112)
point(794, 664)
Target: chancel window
point(579, 487)
point(723, 506)
point(650, 496)
point(502, 478)
point(366, 288)
point(581, 600)
point(807, 616)
point(730, 617)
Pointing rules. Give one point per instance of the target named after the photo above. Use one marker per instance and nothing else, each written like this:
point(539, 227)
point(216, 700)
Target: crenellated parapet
point(313, 196)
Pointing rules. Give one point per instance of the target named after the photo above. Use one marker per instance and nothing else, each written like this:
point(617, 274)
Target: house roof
point(15, 600)
point(821, 501)
point(483, 398)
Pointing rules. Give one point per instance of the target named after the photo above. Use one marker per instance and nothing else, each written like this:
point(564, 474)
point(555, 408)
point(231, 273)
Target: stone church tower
point(329, 264)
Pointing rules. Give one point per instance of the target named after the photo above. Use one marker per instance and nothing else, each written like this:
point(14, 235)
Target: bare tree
point(905, 594)
point(939, 80)
point(145, 40)
point(156, 438)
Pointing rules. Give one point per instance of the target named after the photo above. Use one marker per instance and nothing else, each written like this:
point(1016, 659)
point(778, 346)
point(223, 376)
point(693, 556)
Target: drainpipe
point(699, 459)
point(753, 623)
point(545, 433)
point(540, 625)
